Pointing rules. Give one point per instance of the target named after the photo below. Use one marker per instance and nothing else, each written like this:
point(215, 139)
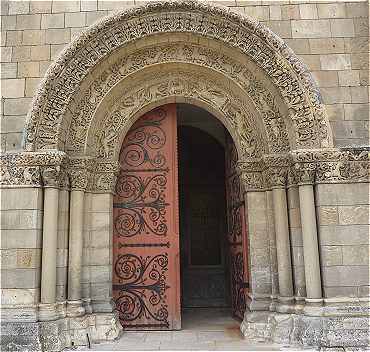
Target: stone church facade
point(288, 81)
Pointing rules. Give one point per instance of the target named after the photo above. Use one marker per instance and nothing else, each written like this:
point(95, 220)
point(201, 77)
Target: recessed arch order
point(130, 61)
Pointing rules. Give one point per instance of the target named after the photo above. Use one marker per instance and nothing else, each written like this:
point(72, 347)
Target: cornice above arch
point(253, 39)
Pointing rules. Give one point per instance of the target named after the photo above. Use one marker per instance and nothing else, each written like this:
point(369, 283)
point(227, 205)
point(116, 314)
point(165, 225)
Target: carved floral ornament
point(188, 57)
point(254, 40)
point(46, 169)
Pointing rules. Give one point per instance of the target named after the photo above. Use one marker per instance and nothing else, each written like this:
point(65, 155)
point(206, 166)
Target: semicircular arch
point(290, 77)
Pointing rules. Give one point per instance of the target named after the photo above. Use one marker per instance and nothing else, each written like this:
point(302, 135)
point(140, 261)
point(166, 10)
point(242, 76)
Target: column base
point(285, 305)
point(48, 312)
point(75, 309)
point(54, 336)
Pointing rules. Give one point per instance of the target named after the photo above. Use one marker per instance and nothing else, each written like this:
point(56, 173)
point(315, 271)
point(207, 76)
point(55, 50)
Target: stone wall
point(343, 229)
point(331, 38)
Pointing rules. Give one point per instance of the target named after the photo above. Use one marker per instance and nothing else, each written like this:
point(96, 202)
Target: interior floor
point(206, 329)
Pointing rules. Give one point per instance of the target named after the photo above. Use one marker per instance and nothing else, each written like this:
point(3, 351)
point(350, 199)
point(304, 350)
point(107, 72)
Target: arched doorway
point(179, 232)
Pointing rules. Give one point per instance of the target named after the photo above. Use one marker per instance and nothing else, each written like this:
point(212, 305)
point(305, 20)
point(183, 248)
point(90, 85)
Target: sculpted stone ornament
point(83, 109)
point(80, 171)
point(257, 42)
point(24, 169)
point(50, 176)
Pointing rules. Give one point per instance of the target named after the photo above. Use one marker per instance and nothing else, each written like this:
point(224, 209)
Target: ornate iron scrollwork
point(143, 287)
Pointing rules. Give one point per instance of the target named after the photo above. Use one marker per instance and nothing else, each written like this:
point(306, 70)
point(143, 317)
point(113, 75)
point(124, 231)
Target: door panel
point(236, 234)
point(146, 284)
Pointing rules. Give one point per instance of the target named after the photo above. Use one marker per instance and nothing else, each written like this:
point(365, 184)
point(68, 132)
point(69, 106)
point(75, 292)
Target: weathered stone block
point(335, 62)
point(336, 95)
point(334, 10)
point(275, 13)
point(33, 37)
point(21, 53)
point(89, 5)
point(6, 54)
point(100, 256)
point(344, 235)
point(25, 238)
point(13, 88)
point(8, 70)
point(101, 203)
point(326, 78)
point(343, 28)
point(100, 221)
point(355, 255)
point(8, 23)
point(361, 27)
point(342, 194)
point(356, 45)
point(75, 19)
point(360, 95)
point(260, 13)
point(356, 112)
point(20, 278)
point(31, 86)
point(100, 238)
point(29, 69)
point(57, 36)
point(349, 78)
point(100, 273)
point(310, 28)
point(28, 22)
point(19, 7)
point(327, 215)
point(93, 16)
point(52, 21)
point(40, 6)
point(335, 112)
point(331, 255)
point(353, 215)
point(282, 28)
point(312, 62)
point(13, 38)
point(65, 6)
point(14, 296)
point(20, 219)
point(308, 11)
point(354, 275)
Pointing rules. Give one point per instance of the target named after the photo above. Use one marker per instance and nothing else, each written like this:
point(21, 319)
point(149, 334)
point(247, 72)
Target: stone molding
point(26, 169)
point(257, 42)
point(43, 169)
point(197, 58)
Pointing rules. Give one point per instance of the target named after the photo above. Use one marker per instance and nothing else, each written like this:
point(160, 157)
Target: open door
point(146, 282)
point(236, 233)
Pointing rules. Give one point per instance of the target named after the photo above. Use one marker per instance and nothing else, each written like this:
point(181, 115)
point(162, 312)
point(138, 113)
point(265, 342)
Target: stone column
point(278, 178)
point(78, 179)
point(305, 177)
point(47, 306)
point(272, 247)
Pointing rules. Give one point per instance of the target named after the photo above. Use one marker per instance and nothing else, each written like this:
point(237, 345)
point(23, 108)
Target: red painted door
point(146, 282)
point(236, 233)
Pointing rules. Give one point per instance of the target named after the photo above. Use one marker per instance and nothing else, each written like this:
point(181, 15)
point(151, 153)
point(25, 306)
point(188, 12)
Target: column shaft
point(282, 242)
point(49, 246)
point(310, 242)
point(75, 245)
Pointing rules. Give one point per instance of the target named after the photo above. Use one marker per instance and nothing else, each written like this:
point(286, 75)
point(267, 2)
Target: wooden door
point(146, 283)
point(236, 233)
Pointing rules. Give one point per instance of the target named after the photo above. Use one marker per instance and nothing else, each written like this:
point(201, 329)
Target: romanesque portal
point(120, 69)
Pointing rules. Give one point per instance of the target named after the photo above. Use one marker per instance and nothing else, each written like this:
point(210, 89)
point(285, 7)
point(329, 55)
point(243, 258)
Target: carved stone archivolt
point(268, 52)
point(106, 134)
point(264, 101)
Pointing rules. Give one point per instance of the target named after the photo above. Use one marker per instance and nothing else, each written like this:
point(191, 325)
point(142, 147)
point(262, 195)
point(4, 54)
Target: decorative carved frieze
point(254, 40)
point(25, 169)
point(105, 177)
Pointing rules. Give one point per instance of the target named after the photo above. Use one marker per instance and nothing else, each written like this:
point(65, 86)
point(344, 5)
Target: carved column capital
point(251, 175)
point(50, 175)
point(80, 172)
point(305, 173)
point(277, 166)
point(105, 177)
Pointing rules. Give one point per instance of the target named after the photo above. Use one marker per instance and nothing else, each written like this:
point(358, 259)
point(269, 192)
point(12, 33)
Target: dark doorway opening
point(202, 198)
